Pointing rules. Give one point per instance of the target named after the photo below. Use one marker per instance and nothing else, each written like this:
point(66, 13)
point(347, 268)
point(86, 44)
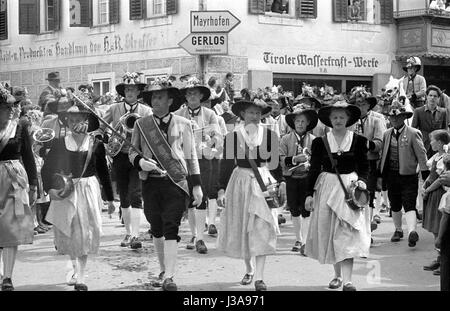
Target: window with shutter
point(3, 20)
point(256, 6)
point(340, 8)
point(137, 9)
point(306, 8)
point(114, 11)
point(156, 8)
point(80, 13)
point(172, 7)
point(386, 11)
point(29, 17)
point(357, 10)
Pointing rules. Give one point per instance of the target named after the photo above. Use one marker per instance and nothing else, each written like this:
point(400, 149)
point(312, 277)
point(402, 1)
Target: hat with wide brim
point(371, 100)
point(353, 111)
point(311, 114)
point(120, 88)
point(203, 89)
point(308, 101)
point(53, 76)
point(242, 105)
point(174, 93)
point(396, 110)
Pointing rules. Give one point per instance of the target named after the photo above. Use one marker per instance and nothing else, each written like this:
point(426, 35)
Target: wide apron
point(77, 219)
point(16, 220)
point(248, 227)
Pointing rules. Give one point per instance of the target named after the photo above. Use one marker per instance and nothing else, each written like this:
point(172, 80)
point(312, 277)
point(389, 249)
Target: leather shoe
point(335, 283)
point(169, 285)
point(373, 226)
point(397, 236)
point(247, 279)
point(297, 246)
point(7, 285)
point(377, 219)
point(413, 238)
point(432, 266)
point(135, 243)
point(159, 281)
point(212, 230)
point(191, 243)
point(437, 271)
point(81, 287)
point(281, 219)
point(201, 247)
point(260, 286)
point(349, 287)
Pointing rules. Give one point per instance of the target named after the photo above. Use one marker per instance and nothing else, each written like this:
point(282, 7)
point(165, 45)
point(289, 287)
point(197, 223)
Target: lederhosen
point(297, 184)
point(126, 175)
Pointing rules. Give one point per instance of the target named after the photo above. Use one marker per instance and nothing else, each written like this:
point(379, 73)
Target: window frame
point(5, 36)
point(290, 14)
point(155, 73)
point(96, 13)
point(103, 77)
point(150, 6)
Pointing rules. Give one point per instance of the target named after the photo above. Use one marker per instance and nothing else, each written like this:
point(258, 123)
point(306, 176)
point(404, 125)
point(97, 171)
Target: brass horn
point(43, 135)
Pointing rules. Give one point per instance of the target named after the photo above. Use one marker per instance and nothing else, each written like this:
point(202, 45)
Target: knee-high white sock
point(377, 203)
point(170, 257)
point(191, 221)
point(82, 261)
point(385, 198)
point(212, 212)
point(249, 267)
point(159, 249)
point(9, 259)
point(297, 229)
point(411, 221)
point(200, 220)
point(304, 228)
point(126, 216)
point(1, 263)
point(397, 218)
point(135, 219)
point(259, 267)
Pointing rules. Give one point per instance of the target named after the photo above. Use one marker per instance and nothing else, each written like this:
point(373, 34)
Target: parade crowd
point(178, 149)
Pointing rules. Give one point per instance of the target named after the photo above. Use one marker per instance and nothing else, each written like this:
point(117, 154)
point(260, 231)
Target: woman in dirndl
point(76, 218)
point(337, 233)
point(18, 184)
point(248, 227)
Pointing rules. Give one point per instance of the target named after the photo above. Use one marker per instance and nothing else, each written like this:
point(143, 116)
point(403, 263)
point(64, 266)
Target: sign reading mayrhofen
point(213, 21)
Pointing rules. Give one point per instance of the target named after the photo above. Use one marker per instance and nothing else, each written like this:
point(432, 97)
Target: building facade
point(97, 41)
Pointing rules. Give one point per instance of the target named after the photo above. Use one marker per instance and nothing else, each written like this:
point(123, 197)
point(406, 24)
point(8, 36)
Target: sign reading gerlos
point(206, 43)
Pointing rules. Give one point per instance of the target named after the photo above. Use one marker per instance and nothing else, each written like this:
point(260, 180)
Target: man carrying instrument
point(127, 176)
point(166, 141)
point(371, 125)
point(208, 142)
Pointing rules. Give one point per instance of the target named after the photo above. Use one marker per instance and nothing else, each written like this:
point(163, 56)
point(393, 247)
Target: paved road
point(390, 267)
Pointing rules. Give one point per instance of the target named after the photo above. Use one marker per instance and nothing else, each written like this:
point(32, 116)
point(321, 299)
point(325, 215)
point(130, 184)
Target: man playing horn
point(127, 176)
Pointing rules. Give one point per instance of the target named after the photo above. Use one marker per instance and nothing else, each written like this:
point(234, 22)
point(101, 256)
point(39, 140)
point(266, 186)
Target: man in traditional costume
point(167, 142)
point(126, 175)
point(208, 142)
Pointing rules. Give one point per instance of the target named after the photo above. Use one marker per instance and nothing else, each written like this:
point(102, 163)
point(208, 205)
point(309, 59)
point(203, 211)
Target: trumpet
point(119, 135)
point(125, 125)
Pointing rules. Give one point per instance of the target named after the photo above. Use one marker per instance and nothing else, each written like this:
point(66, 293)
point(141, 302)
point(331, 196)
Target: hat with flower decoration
point(130, 78)
point(353, 111)
point(5, 96)
point(397, 109)
point(306, 110)
point(194, 83)
point(362, 92)
point(163, 84)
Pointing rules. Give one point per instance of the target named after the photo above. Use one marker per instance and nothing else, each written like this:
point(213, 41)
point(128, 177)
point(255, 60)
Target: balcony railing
point(422, 12)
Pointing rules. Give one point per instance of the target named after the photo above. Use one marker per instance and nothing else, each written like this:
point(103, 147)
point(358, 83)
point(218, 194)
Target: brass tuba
point(123, 127)
point(43, 135)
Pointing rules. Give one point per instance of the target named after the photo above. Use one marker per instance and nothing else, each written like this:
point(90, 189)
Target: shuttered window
point(386, 11)
point(81, 13)
point(52, 15)
point(114, 11)
point(256, 6)
point(340, 8)
point(306, 8)
point(172, 7)
point(137, 9)
point(29, 16)
point(3, 19)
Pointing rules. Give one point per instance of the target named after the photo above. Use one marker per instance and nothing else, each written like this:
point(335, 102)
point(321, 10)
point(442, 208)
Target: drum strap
point(334, 165)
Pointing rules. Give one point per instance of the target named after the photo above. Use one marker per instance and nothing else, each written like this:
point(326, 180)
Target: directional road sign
point(213, 21)
point(205, 43)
